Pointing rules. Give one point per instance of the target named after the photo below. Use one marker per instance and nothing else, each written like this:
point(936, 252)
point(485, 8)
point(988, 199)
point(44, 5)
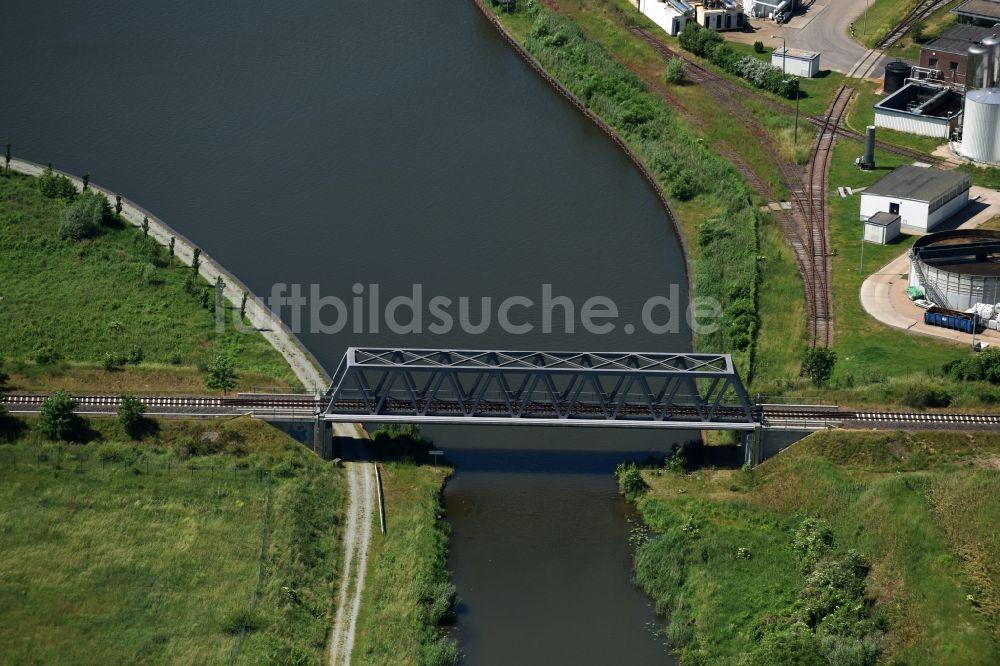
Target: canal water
point(334, 143)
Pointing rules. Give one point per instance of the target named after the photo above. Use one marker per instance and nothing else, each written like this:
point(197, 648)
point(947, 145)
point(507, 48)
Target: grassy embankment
point(407, 591)
point(921, 509)
point(66, 304)
point(736, 253)
point(123, 552)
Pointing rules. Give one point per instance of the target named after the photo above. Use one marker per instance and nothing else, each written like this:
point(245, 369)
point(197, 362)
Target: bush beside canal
point(848, 548)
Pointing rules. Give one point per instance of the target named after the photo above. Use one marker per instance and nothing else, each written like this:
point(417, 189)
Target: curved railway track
point(922, 10)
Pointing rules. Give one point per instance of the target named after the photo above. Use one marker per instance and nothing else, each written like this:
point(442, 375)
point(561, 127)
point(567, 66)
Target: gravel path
point(357, 537)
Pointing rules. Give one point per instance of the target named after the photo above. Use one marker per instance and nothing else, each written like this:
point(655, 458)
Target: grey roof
point(957, 39)
point(882, 219)
point(984, 8)
point(989, 96)
point(918, 183)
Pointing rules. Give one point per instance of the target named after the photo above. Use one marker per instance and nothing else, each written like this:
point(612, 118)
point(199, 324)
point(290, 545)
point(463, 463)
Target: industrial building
point(957, 269)
point(777, 10)
point(671, 15)
point(949, 53)
point(984, 13)
point(921, 108)
point(981, 126)
point(922, 197)
point(796, 62)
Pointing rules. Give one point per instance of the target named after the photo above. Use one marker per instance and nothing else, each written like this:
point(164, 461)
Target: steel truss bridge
point(645, 390)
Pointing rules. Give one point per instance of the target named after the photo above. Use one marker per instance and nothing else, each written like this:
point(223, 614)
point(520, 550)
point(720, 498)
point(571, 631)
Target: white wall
point(663, 15)
point(797, 66)
point(912, 213)
point(905, 122)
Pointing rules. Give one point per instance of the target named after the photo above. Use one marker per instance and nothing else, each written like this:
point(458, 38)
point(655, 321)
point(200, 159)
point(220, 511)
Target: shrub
point(439, 600)
point(758, 46)
point(676, 73)
point(818, 365)
point(55, 186)
point(630, 481)
point(813, 539)
point(221, 374)
point(239, 619)
point(442, 652)
point(46, 355)
point(113, 361)
point(83, 219)
point(130, 415)
point(921, 395)
point(983, 367)
point(56, 419)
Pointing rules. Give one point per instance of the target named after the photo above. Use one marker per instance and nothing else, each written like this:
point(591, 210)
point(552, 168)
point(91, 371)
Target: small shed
point(796, 62)
point(882, 228)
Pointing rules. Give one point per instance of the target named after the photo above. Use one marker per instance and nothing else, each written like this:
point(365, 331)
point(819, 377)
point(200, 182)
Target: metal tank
point(896, 74)
point(993, 44)
point(976, 69)
point(981, 128)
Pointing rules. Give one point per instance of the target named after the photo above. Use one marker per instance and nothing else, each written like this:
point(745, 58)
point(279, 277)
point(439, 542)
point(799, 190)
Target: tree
point(130, 415)
point(196, 260)
point(221, 374)
point(56, 420)
point(675, 72)
point(172, 241)
point(7, 157)
point(118, 205)
point(818, 365)
point(86, 180)
point(243, 305)
point(145, 226)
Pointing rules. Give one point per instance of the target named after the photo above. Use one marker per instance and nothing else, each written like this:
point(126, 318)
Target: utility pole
point(861, 266)
point(784, 51)
point(798, 81)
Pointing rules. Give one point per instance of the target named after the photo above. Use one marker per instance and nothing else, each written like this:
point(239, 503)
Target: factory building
point(776, 10)
point(719, 15)
point(957, 269)
point(921, 197)
point(921, 108)
point(985, 13)
point(948, 54)
point(981, 126)
point(671, 15)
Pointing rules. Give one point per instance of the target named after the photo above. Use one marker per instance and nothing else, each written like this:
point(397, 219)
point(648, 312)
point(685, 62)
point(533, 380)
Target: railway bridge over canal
point(682, 391)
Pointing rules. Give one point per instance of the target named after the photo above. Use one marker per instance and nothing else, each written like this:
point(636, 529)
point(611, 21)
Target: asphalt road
point(823, 27)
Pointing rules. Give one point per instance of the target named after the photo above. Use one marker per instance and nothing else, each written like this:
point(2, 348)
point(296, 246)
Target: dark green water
point(392, 143)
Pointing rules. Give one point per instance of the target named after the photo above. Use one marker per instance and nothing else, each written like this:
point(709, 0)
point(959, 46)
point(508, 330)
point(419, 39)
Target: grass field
point(117, 293)
point(883, 15)
point(407, 587)
point(921, 509)
point(115, 552)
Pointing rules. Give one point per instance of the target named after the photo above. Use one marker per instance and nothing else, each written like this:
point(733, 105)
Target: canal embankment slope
point(856, 546)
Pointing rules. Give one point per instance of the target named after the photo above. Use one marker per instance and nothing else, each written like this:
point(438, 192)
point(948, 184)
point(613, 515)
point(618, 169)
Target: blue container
point(955, 322)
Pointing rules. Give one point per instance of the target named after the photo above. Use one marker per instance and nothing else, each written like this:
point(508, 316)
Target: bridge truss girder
point(699, 391)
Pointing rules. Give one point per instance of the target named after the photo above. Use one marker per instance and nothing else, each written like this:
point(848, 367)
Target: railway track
point(768, 414)
point(922, 10)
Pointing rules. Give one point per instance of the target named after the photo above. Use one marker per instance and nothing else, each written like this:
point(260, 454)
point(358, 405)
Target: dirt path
point(357, 536)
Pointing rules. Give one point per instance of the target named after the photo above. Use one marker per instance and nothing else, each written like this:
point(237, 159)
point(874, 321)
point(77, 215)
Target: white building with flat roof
point(796, 62)
point(922, 197)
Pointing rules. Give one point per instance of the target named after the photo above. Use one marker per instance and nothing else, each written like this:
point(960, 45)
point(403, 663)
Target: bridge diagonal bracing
point(620, 389)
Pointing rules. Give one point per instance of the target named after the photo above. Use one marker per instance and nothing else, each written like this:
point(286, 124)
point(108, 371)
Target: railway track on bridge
point(772, 414)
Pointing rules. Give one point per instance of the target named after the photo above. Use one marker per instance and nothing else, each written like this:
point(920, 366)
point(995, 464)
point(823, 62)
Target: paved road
point(822, 27)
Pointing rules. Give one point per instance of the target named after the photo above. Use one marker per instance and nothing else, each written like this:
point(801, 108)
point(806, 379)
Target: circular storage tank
point(960, 277)
point(896, 74)
point(993, 44)
point(981, 125)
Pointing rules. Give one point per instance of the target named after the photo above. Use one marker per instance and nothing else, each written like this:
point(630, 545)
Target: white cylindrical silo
point(993, 44)
point(981, 125)
point(976, 67)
